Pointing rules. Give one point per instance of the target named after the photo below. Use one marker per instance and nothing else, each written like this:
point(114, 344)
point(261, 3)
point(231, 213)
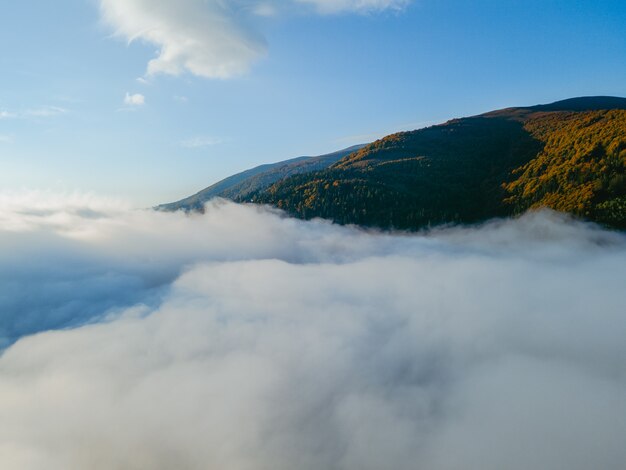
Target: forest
point(471, 169)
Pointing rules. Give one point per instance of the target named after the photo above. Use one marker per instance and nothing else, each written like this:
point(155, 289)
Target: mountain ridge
point(569, 155)
point(240, 185)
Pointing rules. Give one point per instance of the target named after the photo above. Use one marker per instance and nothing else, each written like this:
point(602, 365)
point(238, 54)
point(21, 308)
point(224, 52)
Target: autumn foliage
point(471, 169)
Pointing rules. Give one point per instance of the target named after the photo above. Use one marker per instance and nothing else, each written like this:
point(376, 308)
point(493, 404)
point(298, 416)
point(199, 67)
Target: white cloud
point(265, 8)
point(205, 38)
point(362, 6)
point(136, 99)
point(211, 38)
point(6, 139)
point(45, 111)
point(199, 142)
point(41, 112)
point(7, 115)
point(246, 340)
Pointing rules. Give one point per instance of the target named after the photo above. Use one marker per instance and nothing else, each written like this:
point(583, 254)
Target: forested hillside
point(241, 185)
point(581, 168)
point(569, 156)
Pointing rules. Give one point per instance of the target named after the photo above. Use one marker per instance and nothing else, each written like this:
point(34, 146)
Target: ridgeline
point(569, 156)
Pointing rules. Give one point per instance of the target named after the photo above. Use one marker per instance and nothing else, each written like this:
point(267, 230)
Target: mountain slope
point(567, 155)
point(580, 168)
point(447, 173)
point(241, 185)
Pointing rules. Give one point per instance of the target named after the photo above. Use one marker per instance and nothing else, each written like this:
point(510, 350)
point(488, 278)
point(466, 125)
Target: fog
point(243, 339)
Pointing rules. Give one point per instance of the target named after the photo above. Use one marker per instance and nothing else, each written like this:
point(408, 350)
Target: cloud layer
point(244, 340)
point(212, 38)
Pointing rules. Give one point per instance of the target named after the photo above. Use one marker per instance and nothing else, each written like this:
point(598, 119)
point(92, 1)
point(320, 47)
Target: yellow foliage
point(582, 152)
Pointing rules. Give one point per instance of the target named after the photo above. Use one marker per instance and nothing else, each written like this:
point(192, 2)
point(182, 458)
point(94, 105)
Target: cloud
point(7, 115)
point(45, 111)
point(212, 38)
point(362, 6)
point(136, 99)
point(41, 112)
point(205, 38)
point(6, 139)
point(199, 142)
point(274, 343)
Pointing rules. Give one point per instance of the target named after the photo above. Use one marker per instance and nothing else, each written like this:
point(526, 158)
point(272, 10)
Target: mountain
point(241, 185)
point(569, 155)
point(582, 104)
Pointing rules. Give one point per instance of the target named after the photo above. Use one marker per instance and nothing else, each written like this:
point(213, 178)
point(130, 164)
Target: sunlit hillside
point(472, 169)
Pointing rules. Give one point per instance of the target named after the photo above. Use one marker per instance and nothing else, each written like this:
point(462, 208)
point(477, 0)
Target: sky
point(151, 101)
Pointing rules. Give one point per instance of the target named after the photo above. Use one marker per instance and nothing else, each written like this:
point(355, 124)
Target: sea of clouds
point(245, 340)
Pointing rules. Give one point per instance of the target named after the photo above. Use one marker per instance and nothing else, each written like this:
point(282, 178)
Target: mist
point(243, 339)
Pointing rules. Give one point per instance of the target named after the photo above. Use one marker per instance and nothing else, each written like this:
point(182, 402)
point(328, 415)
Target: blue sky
point(152, 100)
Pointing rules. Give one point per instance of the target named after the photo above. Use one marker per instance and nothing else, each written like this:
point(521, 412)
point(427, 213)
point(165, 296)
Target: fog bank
point(242, 339)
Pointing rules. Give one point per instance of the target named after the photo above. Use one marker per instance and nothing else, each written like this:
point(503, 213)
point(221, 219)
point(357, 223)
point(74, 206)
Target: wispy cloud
point(40, 112)
point(6, 139)
point(199, 142)
point(45, 111)
point(7, 115)
point(360, 6)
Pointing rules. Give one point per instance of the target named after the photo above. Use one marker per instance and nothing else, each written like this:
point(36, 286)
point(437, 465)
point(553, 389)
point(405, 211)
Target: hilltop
point(569, 155)
point(240, 186)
